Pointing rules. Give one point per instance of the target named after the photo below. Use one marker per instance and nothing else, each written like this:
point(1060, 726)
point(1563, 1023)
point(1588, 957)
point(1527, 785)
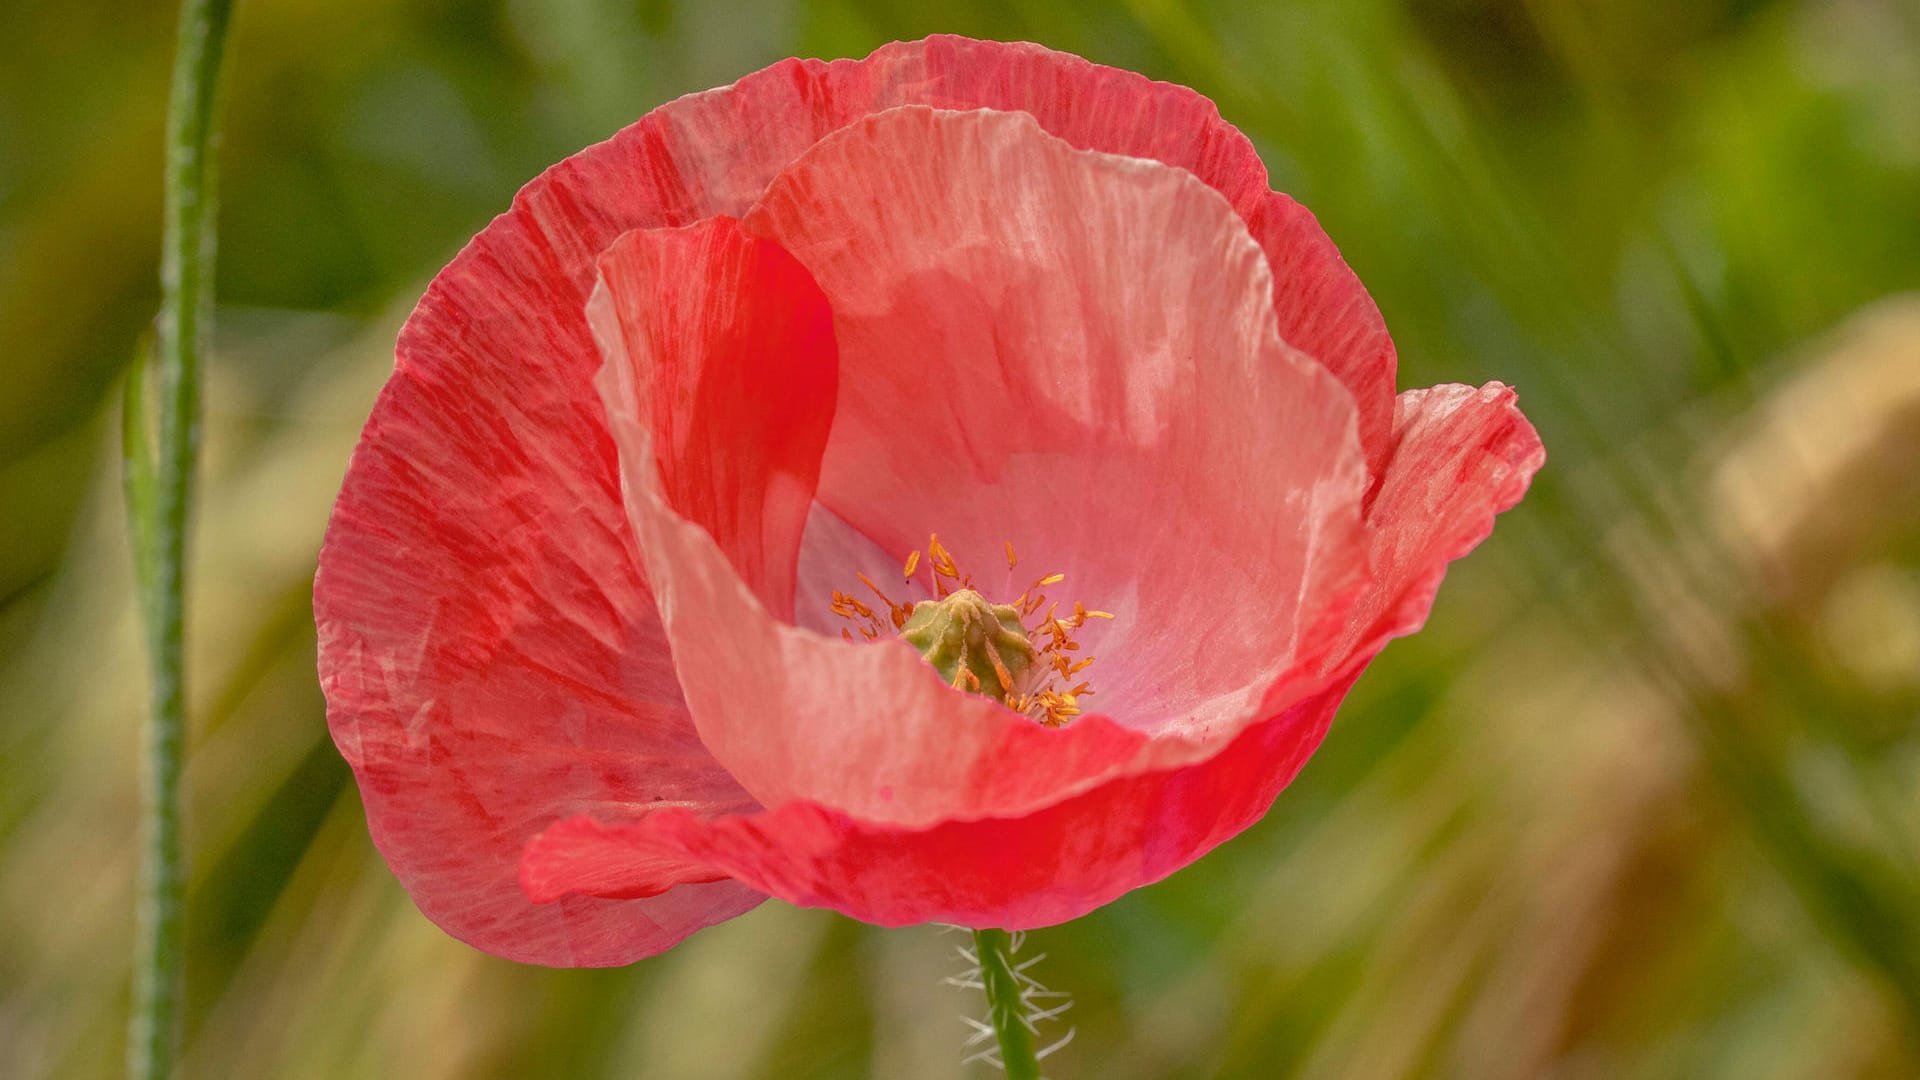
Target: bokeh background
point(1642, 801)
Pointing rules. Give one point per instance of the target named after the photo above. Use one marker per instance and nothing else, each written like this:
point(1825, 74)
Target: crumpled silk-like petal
point(721, 347)
point(490, 654)
point(1047, 867)
point(1095, 378)
point(1134, 387)
point(788, 711)
point(1460, 456)
point(727, 146)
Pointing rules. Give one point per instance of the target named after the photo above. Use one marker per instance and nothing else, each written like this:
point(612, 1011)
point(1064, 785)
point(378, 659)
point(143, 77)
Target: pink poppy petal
point(1076, 353)
point(727, 145)
point(791, 713)
point(490, 653)
point(797, 715)
point(1326, 313)
point(1323, 309)
point(573, 858)
point(491, 658)
point(1044, 868)
point(721, 345)
point(1460, 456)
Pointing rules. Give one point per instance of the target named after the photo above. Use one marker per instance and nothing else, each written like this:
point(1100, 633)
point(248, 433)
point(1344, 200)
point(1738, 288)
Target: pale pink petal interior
point(790, 713)
point(1076, 353)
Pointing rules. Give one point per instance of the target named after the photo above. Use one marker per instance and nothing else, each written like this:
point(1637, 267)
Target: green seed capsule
point(974, 645)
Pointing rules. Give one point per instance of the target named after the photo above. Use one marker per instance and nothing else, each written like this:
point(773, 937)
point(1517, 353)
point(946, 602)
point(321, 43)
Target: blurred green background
point(1642, 801)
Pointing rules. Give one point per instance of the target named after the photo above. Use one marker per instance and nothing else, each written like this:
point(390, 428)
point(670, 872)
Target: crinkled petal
point(720, 346)
point(743, 345)
point(1036, 870)
point(1322, 308)
point(490, 653)
point(1158, 391)
point(727, 146)
point(1460, 456)
point(1075, 353)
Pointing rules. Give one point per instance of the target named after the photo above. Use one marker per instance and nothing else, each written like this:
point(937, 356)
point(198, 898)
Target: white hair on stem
point(1041, 1005)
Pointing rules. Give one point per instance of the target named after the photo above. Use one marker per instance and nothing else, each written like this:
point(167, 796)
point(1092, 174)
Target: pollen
point(1019, 653)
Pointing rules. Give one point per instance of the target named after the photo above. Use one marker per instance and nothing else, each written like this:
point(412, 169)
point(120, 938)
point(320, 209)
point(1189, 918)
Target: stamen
point(943, 563)
point(1015, 644)
point(868, 582)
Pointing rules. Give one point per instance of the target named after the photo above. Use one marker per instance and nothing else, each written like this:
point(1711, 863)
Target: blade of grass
point(159, 490)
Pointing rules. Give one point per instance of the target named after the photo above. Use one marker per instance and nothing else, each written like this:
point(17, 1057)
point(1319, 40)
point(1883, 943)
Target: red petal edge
point(1460, 455)
point(1044, 868)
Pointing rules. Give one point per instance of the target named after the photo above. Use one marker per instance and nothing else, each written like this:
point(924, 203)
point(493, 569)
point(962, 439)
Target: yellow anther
point(1009, 652)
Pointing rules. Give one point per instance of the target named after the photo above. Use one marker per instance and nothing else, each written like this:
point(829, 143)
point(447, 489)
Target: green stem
point(1006, 1005)
point(159, 491)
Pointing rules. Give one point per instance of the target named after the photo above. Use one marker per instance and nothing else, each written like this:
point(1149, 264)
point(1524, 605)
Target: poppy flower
point(944, 486)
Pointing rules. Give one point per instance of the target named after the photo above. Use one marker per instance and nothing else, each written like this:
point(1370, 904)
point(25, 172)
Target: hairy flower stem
point(1006, 1006)
point(159, 486)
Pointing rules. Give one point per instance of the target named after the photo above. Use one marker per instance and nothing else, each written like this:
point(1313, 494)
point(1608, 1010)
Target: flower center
point(1009, 652)
point(974, 645)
